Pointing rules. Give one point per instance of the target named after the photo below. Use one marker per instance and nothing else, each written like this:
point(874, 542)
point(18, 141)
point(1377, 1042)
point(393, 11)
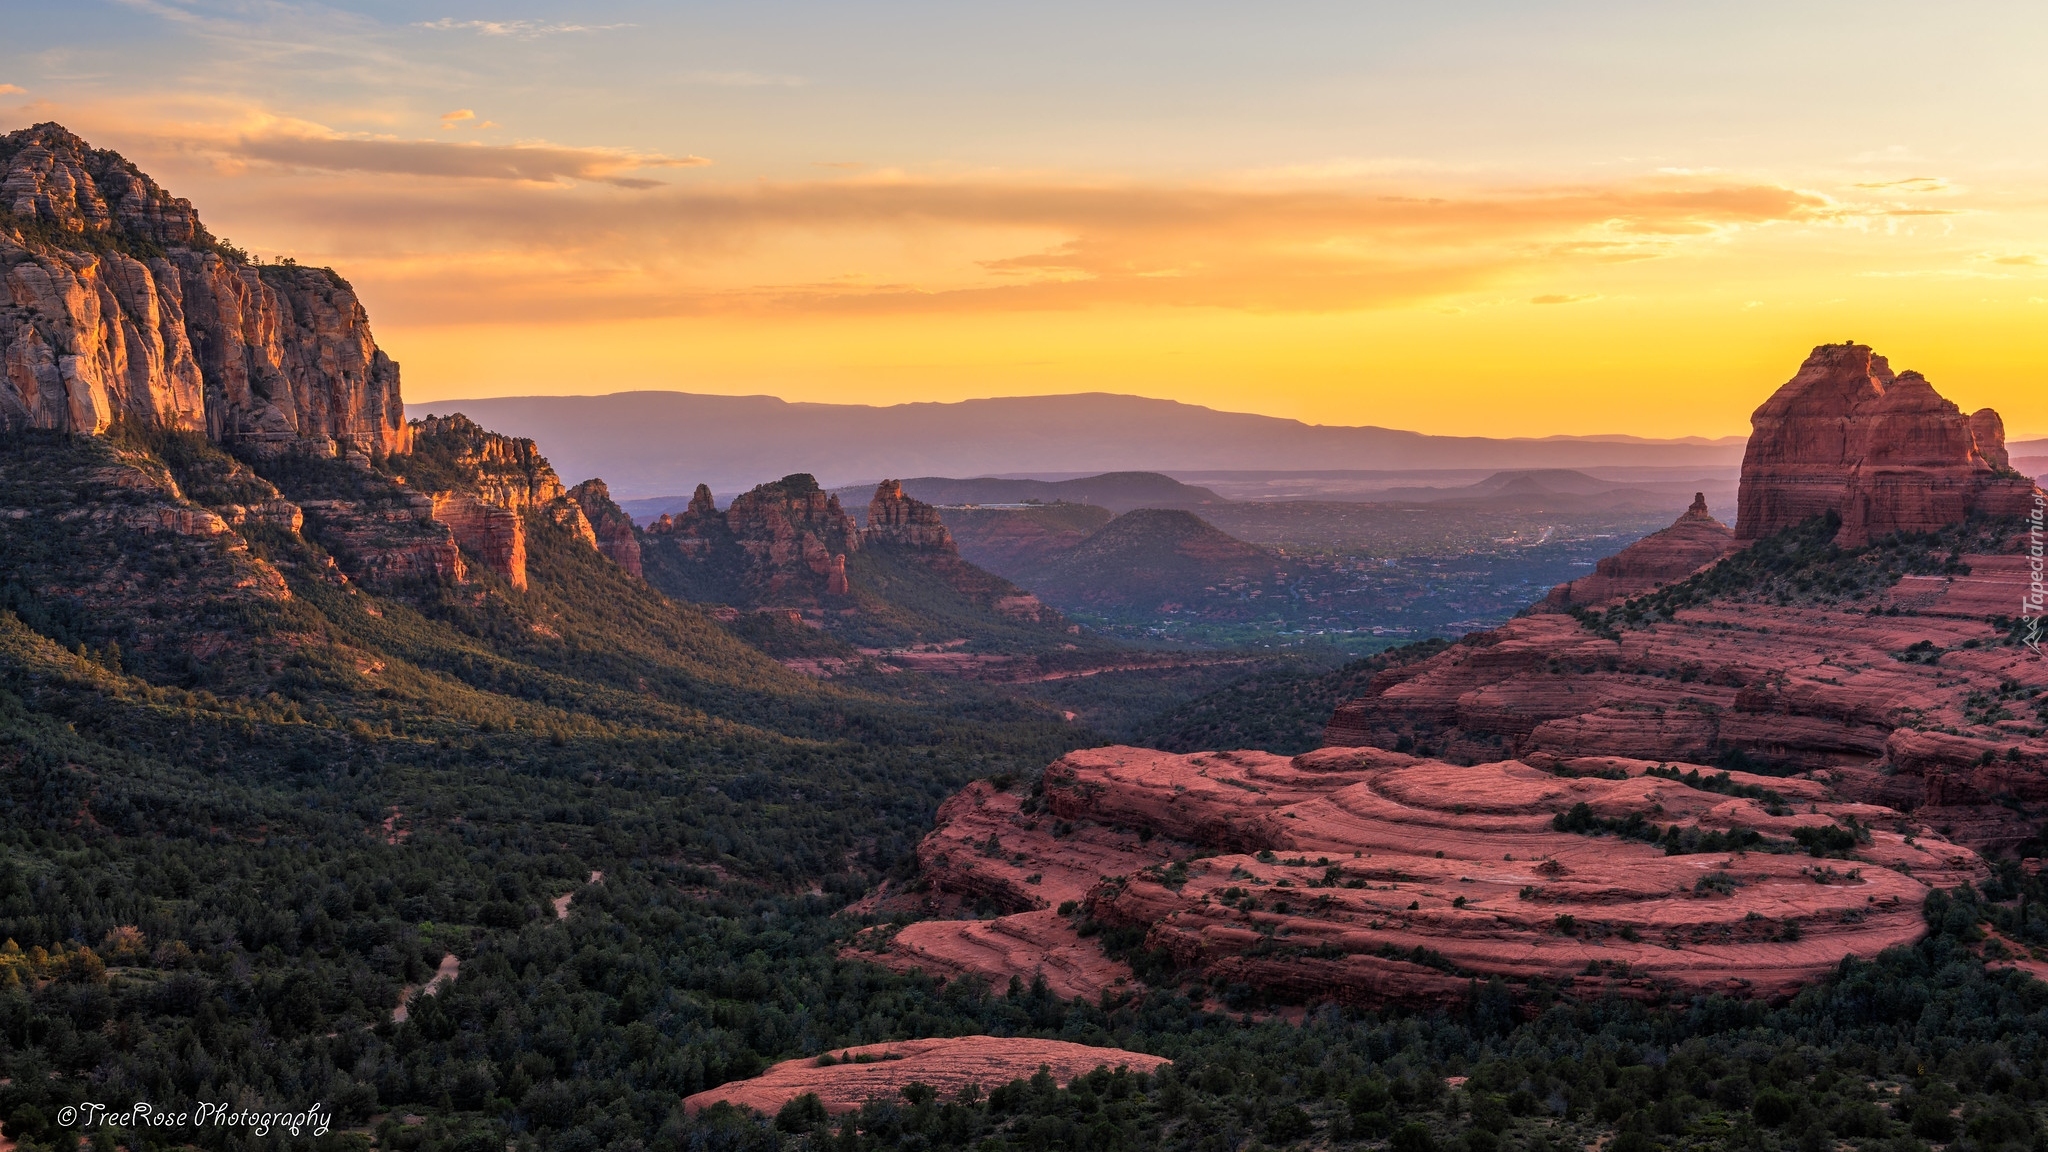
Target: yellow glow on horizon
point(1653, 303)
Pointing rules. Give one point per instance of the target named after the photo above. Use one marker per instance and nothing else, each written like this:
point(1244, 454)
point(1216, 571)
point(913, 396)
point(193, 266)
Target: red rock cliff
point(119, 305)
point(612, 527)
point(1883, 451)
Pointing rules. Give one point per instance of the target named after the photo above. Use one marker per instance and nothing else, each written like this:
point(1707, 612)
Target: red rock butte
point(881, 1071)
point(1692, 542)
point(1885, 452)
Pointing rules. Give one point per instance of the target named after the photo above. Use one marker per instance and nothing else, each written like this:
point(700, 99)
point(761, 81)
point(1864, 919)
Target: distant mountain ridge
point(663, 443)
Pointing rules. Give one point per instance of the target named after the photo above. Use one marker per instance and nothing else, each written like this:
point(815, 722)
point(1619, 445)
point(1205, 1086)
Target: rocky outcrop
point(791, 533)
point(782, 544)
point(484, 487)
point(1819, 687)
point(391, 538)
point(898, 520)
point(1882, 451)
point(495, 536)
point(1694, 541)
point(610, 527)
point(120, 306)
point(1364, 876)
point(847, 1078)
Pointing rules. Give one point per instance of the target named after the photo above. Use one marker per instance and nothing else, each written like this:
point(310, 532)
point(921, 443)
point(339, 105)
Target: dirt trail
point(443, 975)
point(562, 902)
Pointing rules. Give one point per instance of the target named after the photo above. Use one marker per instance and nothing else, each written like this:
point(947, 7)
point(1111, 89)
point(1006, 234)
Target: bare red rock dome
point(881, 1071)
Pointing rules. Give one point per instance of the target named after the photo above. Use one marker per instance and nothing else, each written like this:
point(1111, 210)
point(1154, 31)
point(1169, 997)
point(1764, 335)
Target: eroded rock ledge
point(1365, 876)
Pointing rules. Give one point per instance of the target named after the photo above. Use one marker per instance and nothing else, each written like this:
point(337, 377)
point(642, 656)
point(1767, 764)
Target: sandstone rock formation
point(120, 305)
point(776, 545)
point(1364, 876)
point(613, 529)
point(790, 544)
point(1853, 692)
point(845, 1079)
point(894, 518)
point(1693, 541)
point(1881, 450)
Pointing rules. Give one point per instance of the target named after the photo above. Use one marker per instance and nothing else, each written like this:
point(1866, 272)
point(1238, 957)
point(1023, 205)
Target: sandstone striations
point(120, 306)
point(1883, 451)
point(1364, 876)
point(845, 1079)
point(1694, 541)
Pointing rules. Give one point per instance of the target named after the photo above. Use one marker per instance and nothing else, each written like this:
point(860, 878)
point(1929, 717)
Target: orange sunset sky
point(1491, 218)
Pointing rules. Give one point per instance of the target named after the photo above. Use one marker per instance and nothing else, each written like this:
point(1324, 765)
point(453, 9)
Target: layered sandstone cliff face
point(1883, 451)
point(119, 305)
point(1694, 541)
point(1364, 876)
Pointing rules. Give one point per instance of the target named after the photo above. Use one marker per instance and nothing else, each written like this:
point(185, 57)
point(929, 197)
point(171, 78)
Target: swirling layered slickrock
point(120, 306)
point(1883, 451)
point(1692, 542)
point(609, 524)
point(1814, 688)
point(1365, 876)
point(848, 1078)
point(987, 852)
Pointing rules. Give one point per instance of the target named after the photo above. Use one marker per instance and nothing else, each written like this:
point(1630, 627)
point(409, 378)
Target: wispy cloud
point(1910, 184)
point(531, 163)
point(742, 79)
point(516, 29)
point(1553, 298)
point(894, 245)
point(12, 90)
point(2025, 261)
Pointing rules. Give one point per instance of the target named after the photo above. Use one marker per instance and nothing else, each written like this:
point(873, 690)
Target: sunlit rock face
point(1883, 451)
point(120, 306)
